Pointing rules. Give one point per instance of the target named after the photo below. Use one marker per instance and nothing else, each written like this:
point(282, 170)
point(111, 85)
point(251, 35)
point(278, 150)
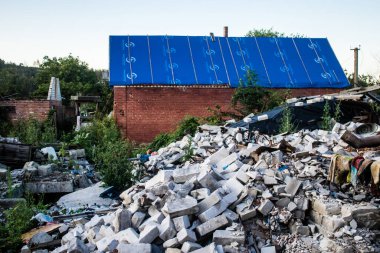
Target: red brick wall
point(24, 109)
point(143, 112)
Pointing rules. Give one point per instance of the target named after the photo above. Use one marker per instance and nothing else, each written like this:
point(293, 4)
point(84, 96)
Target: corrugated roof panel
point(199, 60)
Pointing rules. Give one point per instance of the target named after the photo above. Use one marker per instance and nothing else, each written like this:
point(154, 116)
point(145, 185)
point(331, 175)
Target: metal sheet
point(199, 60)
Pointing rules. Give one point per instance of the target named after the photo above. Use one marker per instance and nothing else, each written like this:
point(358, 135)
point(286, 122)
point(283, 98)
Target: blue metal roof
point(198, 60)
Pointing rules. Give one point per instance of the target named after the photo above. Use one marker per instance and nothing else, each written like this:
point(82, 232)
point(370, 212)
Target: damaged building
point(158, 80)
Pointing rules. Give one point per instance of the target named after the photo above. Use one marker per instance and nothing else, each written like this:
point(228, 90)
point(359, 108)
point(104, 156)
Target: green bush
point(187, 126)
point(98, 134)
point(18, 221)
point(287, 121)
point(105, 147)
point(34, 132)
point(251, 98)
point(112, 162)
point(326, 117)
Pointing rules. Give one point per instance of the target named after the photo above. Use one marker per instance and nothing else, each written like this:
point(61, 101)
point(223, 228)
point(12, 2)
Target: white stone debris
point(236, 196)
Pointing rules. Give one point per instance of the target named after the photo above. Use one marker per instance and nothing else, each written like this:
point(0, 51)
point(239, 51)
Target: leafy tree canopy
point(363, 80)
point(75, 77)
point(16, 81)
point(263, 32)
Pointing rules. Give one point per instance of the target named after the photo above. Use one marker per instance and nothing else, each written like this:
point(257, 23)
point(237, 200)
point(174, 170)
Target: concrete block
point(218, 208)
point(210, 201)
point(292, 186)
point(242, 176)
point(173, 250)
point(298, 228)
point(265, 207)
point(122, 220)
point(134, 248)
point(234, 186)
point(78, 245)
point(40, 238)
point(149, 233)
point(106, 244)
point(269, 180)
point(49, 186)
point(44, 170)
point(279, 189)
point(161, 177)
point(128, 235)
point(171, 243)
point(245, 212)
point(217, 156)
point(186, 235)
point(283, 202)
point(211, 248)
point(224, 163)
point(190, 246)
point(95, 221)
point(180, 207)
point(231, 215)
point(137, 219)
point(184, 174)
point(292, 206)
point(25, 249)
point(200, 194)
point(167, 229)
point(181, 222)
point(212, 225)
point(332, 223)
point(268, 249)
point(157, 218)
point(207, 180)
point(225, 237)
point(326, 207)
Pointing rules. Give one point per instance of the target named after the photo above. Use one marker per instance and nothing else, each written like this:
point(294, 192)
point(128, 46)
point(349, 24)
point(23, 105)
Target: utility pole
point(356, 66)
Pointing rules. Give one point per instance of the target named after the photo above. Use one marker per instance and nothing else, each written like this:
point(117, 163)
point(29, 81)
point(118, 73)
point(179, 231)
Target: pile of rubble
point(267, 195)
point(56, 175)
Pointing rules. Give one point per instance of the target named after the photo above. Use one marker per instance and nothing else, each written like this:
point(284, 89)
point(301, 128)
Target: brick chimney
point(226, 31)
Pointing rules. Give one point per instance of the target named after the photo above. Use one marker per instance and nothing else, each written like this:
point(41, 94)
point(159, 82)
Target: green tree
point(251, 98)
point(263, 32)
point(75, 77)
point(363, 80)
point(16, 81)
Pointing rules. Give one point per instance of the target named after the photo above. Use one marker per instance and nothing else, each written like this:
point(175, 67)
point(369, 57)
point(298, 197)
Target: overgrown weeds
point(287, 121)
point(34, 132)
point(187, 126)
point(105, 147)
point(251, 98)
point(18, 221)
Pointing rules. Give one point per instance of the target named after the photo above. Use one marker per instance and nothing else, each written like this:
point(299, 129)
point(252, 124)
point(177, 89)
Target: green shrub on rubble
point(287, 121)
point(18, 221)
point(112, 162)
point(187, 126)
point(105, 147)
point(326, 117)
point(251, 98)
point(34, 132)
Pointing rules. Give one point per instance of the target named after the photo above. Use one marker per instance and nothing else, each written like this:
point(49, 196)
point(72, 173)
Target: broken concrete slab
point(292, 186)
point(149, 233)
point(225, 237)
point(134, 248)
point(186, 235)
point(49, 187)
point(212, 225)
point(88, 197)
point(181, 222)
point(181, 207)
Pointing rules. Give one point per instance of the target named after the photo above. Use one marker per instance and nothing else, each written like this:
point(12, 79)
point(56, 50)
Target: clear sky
point(31, 29)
